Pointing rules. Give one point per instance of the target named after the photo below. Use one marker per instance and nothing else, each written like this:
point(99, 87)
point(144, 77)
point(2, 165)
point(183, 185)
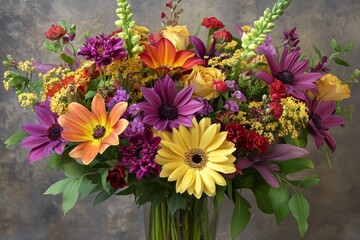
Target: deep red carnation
point(236, 134)
point(116, 177)
point(276, 109)
point(213, 23)
point(261, 143)
point(277, 90)
point(55, 32)
point(220, 86)
point(223, 36)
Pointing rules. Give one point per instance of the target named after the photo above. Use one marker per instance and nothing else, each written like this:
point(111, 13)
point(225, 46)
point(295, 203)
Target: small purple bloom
point(45, 136)
point(43, 68)
point(135, 127)
point(139, 156)
point(321, 118)
point(230, 85)
point(119, 96)
point(291, 40)
point(231, 105)
point(207, 108)
point(263, 162)
point(165, 108)
point(133, 110)
point(291, 72)
point(103, 49)
point(239, 95)
point(267, 47)
point(321, 67)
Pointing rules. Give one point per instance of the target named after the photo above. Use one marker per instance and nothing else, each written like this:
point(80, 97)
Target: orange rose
point(331, 88)
point(202, 80)
point(178, 35)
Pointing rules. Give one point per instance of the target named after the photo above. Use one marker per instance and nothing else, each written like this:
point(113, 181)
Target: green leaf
point(243, 181)
point(90, 94)
point(86, 188)
point(37, 86)
point(341, 62)
point(66, 58)
point(58, 187)
point(56, 161)
point(327, 156)
point(70, 195)
point(279, 198)
point(75, 170)
point(52, 46)
point(63, 24)
point(87, 34)
point(299, 142)
point(176, 201)
point(295, 165)
point(335, 45)
point(104, 173)
point(150, 191)
point(262, 199)
point(300, 209)
point(307, 182)
point(241, 216)
point(102, 196)
point(319, 53)
point(16, 79)
point(129, 190)
point(15, 138)
point(348, 47)
point(72, 28)
point(219, 196)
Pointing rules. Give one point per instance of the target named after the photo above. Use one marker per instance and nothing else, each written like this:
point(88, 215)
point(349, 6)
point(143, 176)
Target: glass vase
point(198, 221)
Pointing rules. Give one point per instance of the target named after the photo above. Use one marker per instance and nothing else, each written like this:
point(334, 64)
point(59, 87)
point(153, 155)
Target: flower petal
point(98, 109)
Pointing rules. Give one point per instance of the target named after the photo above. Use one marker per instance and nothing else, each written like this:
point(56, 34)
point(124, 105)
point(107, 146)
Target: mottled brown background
point(26, 214)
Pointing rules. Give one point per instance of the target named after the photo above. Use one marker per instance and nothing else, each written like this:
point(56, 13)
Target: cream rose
point(178, 35)
point(202, 80)
point(331, 88)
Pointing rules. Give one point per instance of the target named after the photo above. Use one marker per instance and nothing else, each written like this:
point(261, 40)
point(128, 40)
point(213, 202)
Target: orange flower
point(164, 58)
point(95, 130)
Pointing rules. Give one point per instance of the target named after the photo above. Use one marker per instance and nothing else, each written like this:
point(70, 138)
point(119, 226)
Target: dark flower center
point(167, 112)
point(196, 158)
point(286, 77)
point(99, 131)
point(316, 120)
point(54, 132)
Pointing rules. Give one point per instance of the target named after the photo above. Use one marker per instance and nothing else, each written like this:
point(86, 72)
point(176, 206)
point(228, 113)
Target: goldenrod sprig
point(262, 27)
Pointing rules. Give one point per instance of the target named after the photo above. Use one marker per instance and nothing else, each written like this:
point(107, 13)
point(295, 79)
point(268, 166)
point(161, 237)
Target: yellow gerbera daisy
point(193, 157)
point(95, 130)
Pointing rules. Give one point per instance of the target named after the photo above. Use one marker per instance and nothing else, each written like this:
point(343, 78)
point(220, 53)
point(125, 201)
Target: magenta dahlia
point(291, 72)
point(165, 108)
point(103, 49)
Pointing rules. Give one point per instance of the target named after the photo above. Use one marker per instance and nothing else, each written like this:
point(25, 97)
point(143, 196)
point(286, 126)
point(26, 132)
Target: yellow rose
point(178, 35)
point(202, 80)
point(331, 88)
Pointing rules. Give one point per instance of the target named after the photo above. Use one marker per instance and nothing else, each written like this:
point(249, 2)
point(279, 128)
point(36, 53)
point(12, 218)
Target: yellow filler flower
point(194, 157)
point(94, 129)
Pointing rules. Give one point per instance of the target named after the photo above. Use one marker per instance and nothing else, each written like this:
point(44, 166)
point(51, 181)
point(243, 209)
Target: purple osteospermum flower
point(103, 49)
point(291, 72)
point(119, 96)
point(321, 118)
point(166, 108)
point(45, 136)
point(263, 162)
point(139, 156)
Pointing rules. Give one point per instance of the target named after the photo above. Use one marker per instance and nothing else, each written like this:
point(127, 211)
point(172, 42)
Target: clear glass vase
point(198, 221)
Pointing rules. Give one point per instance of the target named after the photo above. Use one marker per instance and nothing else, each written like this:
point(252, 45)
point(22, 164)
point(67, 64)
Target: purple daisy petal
point(190, 108)
point(44, 117)
point(300, 67)
point(38, 153)
point(34, 141)
point(151, 96)
point(35, 129)
point(266, 77)
point(272, 62)
point(183, 96)
point(332, 121)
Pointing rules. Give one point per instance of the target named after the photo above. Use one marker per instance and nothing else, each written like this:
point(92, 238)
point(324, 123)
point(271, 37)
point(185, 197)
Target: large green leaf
point(220, 192)
point(75, 170)
point(70, 195)
point(58, 187)
point(150, 191)
point(241, 216)
point(176, 201)
point(300, 209)
point(279, 198)
point(295, 165)
point(307, 182)
point(261, 194)
point(15, 138)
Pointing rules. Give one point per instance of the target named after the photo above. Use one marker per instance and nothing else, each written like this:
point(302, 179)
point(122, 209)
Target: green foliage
point(15, 138)
point(66, 58)
point(300, 209)
point(307, 182)
point(241, 215)
point(176, 201)
point(53, 46)
point(279, 198)
point(150, 191)
point(261, 194)
point(295, 165)
point(220, 192)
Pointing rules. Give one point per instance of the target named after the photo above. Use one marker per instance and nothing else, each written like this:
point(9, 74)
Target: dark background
point(26, 214)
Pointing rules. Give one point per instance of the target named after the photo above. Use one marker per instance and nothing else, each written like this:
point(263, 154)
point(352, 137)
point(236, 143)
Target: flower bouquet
point(181, 122)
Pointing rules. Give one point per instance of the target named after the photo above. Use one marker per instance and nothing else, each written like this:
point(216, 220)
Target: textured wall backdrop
point(26, 214)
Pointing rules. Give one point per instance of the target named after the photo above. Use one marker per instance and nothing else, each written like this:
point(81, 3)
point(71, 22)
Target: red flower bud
point(220, 85)
point(213, 23)
point(55, 32)
point(276, 110)
point(116, 177)
point(223, 36)
point(277, 90)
